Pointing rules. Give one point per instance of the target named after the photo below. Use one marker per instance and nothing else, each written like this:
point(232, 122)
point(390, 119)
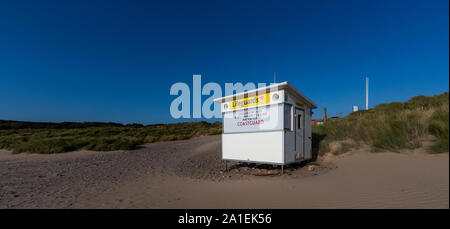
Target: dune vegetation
point(386, 127)
point(389, 127)
point(37, 137)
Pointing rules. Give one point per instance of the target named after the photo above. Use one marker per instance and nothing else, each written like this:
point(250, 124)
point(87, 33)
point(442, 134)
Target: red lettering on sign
point(250, 123)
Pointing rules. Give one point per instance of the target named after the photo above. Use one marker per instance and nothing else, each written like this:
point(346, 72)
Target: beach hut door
point(299, 133)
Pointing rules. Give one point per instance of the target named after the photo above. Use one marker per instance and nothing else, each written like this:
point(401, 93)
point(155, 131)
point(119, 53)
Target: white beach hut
point(269, 125)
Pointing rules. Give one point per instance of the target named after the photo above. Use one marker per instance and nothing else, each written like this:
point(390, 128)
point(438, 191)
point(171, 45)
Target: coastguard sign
point(253, 119)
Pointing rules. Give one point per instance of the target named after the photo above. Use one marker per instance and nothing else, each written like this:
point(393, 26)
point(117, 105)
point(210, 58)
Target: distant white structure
point(367, 93)
point(355, 108)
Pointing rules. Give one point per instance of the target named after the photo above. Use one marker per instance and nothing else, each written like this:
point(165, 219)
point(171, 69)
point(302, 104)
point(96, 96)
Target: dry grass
point(391, 126)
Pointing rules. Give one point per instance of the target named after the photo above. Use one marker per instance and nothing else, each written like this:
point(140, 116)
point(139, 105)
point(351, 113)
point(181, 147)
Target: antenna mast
point(367, 93)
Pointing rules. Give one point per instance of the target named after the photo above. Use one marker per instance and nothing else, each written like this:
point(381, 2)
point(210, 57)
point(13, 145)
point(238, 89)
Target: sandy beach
point(189, 174)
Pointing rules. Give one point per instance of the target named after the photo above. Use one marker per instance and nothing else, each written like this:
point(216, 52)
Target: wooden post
point(324, 114)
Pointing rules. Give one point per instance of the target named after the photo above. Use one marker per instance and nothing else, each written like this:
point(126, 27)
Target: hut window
point(299, 121)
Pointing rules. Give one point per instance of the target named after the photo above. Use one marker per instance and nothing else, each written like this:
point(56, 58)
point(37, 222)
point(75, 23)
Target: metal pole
point(367, 93)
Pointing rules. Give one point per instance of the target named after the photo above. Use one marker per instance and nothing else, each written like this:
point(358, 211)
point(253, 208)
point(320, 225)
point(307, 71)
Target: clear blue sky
point(116, 60)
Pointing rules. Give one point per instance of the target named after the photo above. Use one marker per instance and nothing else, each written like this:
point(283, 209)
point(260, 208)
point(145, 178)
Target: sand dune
point(187, 174)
